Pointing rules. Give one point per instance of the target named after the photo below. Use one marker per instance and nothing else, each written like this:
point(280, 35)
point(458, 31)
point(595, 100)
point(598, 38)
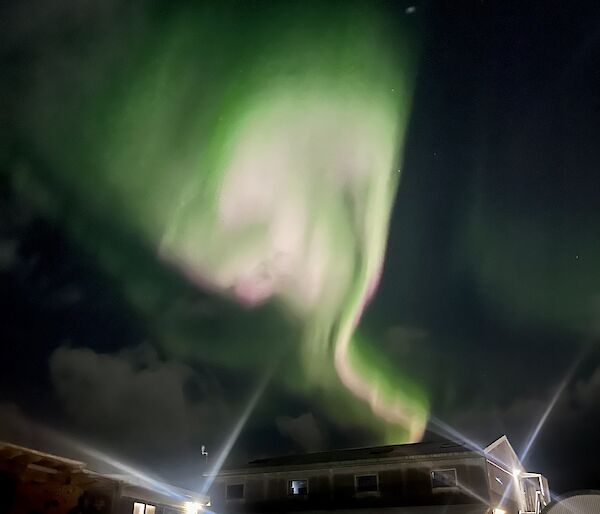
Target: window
point(142, 508)
point(366, 483)
point(235, 491)
point(298, 487)
point(443, 478)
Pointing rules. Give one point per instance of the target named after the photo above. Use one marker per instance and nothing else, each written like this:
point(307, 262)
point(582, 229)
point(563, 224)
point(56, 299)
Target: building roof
point(378, 453)
point(34, 465)
point(14, 453)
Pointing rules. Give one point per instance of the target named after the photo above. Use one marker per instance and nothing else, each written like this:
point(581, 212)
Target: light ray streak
point(237, 429)
point(542, 421)
point(447, 430)
point(149, 481)
point(472, 493)
point(442, 428)
point(545, 415)
point(550, 407)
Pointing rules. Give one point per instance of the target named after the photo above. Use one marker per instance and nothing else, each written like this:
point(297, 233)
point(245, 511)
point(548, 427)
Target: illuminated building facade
point(33, 482)
point(422, 478)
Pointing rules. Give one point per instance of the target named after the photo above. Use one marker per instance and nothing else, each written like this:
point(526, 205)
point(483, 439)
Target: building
point(422, 478)
point(33, 482)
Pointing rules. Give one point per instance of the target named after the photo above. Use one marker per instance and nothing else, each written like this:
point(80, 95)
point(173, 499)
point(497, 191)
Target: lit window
point(235, 491)
point(366, 483)
point(142, 508)
point(298, 487)
point(441, 478)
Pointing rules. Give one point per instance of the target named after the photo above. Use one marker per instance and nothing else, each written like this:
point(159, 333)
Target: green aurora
point(257, 152)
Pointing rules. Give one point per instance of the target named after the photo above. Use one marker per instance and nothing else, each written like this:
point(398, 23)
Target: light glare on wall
point(192, 507)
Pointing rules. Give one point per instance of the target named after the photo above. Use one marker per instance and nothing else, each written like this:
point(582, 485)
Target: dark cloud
point(570, 429)
point(14, 424)
point(303, 430)
point(17, 427)
point(135, 398)
point(8, 254)
point(69, 294)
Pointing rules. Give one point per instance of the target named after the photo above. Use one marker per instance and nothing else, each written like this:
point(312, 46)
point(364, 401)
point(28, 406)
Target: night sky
point(121, 325)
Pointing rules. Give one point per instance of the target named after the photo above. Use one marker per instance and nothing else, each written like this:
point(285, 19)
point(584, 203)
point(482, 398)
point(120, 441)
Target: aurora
point(265, 174)
point(267, 227)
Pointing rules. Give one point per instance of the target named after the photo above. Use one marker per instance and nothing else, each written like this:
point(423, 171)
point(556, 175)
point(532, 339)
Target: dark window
point(298, 487)
point(443, 478)
point(366, 483)
point(235, 491)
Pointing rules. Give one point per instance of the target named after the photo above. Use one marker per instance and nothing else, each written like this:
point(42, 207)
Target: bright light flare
point(550, 407)
point(192, 507)
point(235, 432)
point(146, 480)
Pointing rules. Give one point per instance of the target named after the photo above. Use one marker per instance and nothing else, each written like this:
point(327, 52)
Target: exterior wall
point(55, 498)
point(58, 497)
point(44, 498)
point(160, 503)
point(125, 505)
point(32, 482)
point(430, 509)
point(505, 488)
point(400, 484)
